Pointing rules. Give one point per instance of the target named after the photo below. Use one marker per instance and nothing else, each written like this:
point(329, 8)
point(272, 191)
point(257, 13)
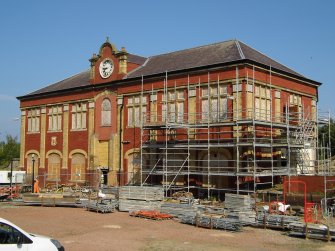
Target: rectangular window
point(223, 109)
point(268, 110)
point(164, 114)
point(33, 120)
point(137, 116)
point(257, 110)
point(172, 112)
point(55, 118)
point(172, 96)
point(204, 92)
point(130, 116)
point(205, 109)
point(180, 108)
point(313, 104)
point(214, 110)
point(214, 91)
point(180, 94)
point(295, 107)
point(136, 110)
point(262, 103)
point(223, 90)
point(235, 88)
point(263, 109)
point(249, 88)
point(214, 107)
point(173, 109)
point(79, 116)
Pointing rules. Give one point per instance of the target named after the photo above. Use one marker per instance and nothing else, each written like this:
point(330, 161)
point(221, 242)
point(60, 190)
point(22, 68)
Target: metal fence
point(47, 181)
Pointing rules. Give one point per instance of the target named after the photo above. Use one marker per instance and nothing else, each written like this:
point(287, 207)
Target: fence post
point(45, 177)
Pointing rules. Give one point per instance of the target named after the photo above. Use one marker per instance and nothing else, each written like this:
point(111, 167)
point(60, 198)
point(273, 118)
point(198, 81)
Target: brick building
point(212, 118)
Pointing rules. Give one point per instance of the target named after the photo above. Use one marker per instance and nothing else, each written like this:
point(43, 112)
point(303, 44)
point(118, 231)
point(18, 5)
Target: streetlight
point(32, 182)
point(11, 176)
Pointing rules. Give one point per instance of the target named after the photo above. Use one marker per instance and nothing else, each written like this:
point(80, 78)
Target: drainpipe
point(120, 102)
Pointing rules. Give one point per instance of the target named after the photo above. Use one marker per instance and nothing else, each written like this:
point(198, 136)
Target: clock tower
point(109, 65)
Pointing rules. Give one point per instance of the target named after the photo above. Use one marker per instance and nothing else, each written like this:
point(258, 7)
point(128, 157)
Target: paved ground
point(78, 229)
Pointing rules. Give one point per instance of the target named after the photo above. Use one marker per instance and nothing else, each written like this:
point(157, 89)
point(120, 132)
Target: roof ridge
point(197, 47)
point(138, 68)
point(240, 51)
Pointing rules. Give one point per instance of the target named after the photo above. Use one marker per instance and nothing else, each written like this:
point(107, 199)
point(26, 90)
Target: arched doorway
point(31, 165)
point(78, 168)
point(54, 165)
point(217, 166)
point(134, 168)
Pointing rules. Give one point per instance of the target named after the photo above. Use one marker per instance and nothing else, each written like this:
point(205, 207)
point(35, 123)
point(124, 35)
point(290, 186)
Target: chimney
point(123, 56)
point(93, 60)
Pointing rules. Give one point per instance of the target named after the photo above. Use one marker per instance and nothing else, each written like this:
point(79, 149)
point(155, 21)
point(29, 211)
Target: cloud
point(7, 98)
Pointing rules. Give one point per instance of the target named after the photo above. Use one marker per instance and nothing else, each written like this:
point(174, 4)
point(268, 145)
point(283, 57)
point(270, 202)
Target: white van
point(14, 238)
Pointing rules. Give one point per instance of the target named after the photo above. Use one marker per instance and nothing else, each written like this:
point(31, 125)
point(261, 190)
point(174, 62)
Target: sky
point(43, 42)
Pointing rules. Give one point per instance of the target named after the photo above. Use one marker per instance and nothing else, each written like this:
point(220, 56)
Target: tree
point(9, 149)
point(324, 136)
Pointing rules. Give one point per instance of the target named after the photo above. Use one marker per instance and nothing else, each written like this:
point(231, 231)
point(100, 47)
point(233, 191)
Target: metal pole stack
point(135, 198)
point(240, 207)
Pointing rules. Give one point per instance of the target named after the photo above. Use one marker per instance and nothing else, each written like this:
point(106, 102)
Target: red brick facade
point(110, 146)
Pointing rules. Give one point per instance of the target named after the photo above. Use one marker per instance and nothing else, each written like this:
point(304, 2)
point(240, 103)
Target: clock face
point(106, 68)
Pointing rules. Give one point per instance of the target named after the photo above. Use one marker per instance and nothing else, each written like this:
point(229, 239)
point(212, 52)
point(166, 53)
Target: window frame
point(134, 110)
point(33, 120)
point(55, 115)
point(79, 116)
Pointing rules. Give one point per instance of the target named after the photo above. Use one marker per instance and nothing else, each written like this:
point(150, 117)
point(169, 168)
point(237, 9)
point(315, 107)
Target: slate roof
point(136, 59)
point(219, 53)
point(223, 52)
point(78, 80)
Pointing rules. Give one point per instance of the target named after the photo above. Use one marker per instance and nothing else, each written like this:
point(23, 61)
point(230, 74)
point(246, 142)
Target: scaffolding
point(325, 166)
point(237, 149)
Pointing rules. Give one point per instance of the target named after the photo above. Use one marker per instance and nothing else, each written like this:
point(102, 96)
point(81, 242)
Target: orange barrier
point(152, 215)
point(13, 192)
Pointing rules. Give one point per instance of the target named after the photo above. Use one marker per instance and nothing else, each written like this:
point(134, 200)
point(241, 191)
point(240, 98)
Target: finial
point(107, 39)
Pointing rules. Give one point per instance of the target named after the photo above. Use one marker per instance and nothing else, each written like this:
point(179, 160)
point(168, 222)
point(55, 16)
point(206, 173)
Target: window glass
point(10, 235)
point(106, 113)
point(78, 116)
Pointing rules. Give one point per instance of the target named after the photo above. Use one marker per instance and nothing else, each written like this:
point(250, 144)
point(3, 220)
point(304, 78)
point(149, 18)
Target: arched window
point(106, 112)
point(54, 162)
point(218, 163)
point(78, 167)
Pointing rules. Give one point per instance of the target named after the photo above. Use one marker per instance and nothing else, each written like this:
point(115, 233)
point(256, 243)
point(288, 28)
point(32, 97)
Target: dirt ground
point(78, 230)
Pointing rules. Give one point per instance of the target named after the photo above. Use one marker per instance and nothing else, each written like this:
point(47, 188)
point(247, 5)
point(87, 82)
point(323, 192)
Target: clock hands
point(106, 68)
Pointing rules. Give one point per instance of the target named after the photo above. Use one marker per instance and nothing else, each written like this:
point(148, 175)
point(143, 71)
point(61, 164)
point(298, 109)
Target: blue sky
point(42, 42)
